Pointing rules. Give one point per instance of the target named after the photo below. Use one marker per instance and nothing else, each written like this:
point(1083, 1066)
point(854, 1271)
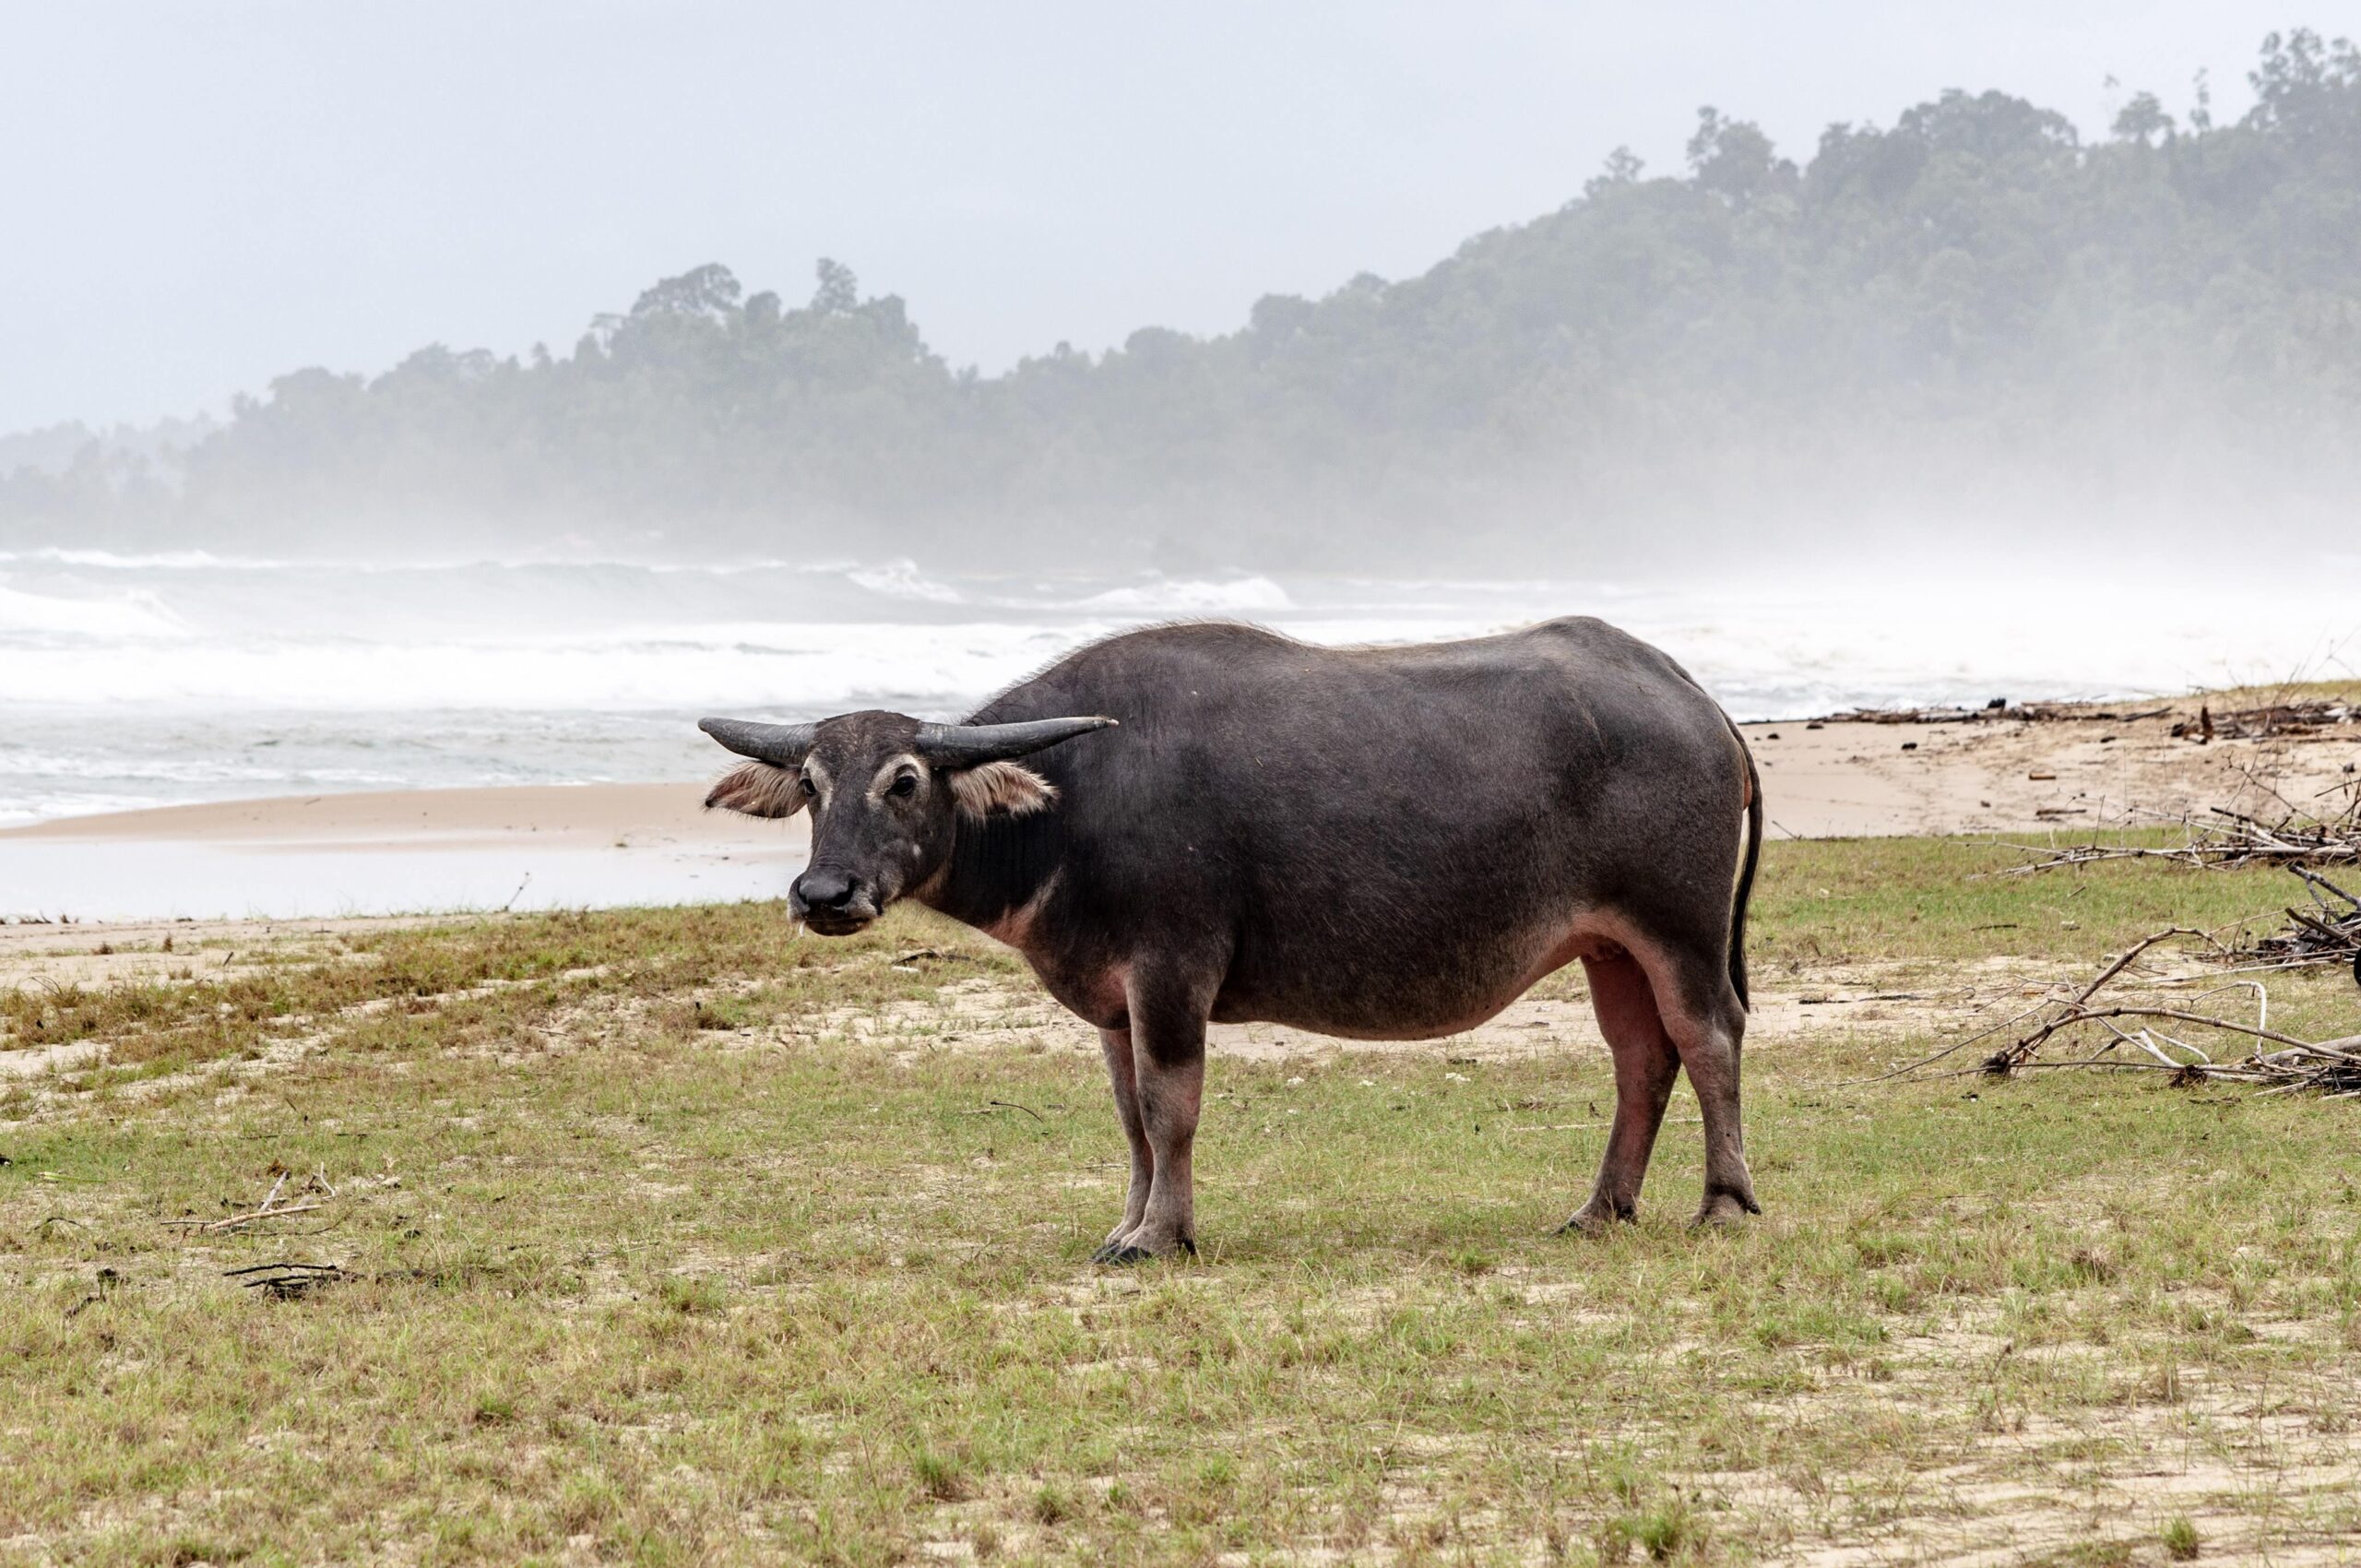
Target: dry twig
point(2331, 1067)
point(236, 1220)
point(2224, 839)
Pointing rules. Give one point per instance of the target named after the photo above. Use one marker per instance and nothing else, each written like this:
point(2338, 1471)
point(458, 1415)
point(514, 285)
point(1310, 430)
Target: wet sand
point(403, 851)
point(587, 815)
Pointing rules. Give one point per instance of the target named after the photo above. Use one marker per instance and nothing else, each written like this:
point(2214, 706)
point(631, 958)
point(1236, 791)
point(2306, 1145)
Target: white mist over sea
point(129, 681)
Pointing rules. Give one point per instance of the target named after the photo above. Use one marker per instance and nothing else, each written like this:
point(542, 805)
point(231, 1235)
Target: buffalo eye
point(904, 786)
point(807, 786)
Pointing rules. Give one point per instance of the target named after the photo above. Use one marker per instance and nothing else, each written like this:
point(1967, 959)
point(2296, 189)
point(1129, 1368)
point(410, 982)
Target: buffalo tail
point(1746, 873)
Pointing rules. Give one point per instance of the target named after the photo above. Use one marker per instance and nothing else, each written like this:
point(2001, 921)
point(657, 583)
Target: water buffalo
point(1213, 822)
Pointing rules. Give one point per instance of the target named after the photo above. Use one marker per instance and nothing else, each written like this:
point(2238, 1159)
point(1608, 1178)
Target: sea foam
point(147, 679)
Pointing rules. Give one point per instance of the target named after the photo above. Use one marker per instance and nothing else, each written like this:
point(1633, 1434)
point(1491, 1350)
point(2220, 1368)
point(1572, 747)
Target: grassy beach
point(667, 1236)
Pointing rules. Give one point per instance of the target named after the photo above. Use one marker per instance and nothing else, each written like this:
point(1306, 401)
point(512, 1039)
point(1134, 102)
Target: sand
point(1837, 779)
point(1822, 780)
point(403, 851)
point(348, 855)
point(589, 815)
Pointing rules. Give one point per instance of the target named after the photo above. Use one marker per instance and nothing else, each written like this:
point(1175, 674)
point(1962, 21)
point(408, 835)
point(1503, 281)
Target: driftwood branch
point(2277, 1060)
point(236, 1220)
point(2222, 839)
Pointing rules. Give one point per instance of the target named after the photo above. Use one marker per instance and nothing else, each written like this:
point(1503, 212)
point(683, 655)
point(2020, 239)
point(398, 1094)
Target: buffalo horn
point(970, 745)
point(781, 745)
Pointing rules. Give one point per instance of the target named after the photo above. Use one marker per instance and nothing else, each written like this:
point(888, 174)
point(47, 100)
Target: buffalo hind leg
point(1168, 1075)
point(1645, 1065)
point(1116, 1046)
point(1707, 1023)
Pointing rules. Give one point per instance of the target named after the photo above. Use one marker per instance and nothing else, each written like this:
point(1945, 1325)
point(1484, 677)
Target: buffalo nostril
point(824, 889)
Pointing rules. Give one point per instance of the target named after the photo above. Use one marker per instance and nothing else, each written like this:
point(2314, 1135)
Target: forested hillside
point(1970, 314)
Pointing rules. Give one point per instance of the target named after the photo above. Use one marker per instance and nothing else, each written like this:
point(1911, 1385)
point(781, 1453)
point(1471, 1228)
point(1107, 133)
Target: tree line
point(1971, 313)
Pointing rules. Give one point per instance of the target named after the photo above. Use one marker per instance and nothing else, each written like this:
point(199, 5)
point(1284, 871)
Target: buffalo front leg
point(1116, 1046)
point(1646, 1066)
point(1168, 1058)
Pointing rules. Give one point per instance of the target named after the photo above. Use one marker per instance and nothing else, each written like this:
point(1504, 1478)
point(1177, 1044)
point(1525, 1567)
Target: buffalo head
point(884, 792)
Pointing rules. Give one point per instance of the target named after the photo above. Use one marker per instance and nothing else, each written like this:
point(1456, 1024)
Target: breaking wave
point(132, 615)
point(134, 678)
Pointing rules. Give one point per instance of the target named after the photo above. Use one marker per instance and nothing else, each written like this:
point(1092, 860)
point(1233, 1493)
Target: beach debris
point(2289, 718)
point(2223, 837)
point(2160, 1029)
point(2329, 933)
point(2284, 715)
point(2139, 1017)
point(1998, 709)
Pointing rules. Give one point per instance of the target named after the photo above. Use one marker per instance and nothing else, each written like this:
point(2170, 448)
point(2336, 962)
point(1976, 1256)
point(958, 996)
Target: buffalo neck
point(997, 866)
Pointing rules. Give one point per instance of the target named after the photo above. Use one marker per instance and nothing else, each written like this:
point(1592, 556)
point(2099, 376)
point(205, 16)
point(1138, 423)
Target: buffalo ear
point(1005, 787)
point(757, 789)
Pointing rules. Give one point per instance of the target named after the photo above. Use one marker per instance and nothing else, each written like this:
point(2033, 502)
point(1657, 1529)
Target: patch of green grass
point(686, 1295)
point(1847, 900)
point(1669, 1531)
point(665, 1248)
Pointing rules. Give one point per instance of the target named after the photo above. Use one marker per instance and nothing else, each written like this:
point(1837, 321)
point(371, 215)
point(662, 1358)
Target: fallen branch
point(235, 1221)
point(2331, 1067)
point(2294, 717)
point(2222, 839)
point(2325, 935)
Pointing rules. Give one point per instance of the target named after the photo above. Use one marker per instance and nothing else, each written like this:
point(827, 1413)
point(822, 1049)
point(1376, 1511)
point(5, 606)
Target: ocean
point(131, 680)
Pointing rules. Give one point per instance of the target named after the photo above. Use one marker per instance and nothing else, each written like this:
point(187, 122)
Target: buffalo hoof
point(1725, 1210)
point(1596, 1218)
point(1123, 1255)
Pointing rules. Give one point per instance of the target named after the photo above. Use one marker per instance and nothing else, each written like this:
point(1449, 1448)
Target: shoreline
point(578, 815)
point(454, 850)
point(394, 852)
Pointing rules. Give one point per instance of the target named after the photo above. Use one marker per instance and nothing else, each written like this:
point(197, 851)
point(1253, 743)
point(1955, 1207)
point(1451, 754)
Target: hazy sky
point(196, 196)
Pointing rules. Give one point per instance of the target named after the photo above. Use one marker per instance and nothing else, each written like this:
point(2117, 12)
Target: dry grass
point(2340, 689)
point(657, 1252)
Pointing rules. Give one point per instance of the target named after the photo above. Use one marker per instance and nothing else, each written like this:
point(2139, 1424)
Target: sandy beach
point(1835, 778)
point(396, 851)
point(401, 852)
point(571, 816)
